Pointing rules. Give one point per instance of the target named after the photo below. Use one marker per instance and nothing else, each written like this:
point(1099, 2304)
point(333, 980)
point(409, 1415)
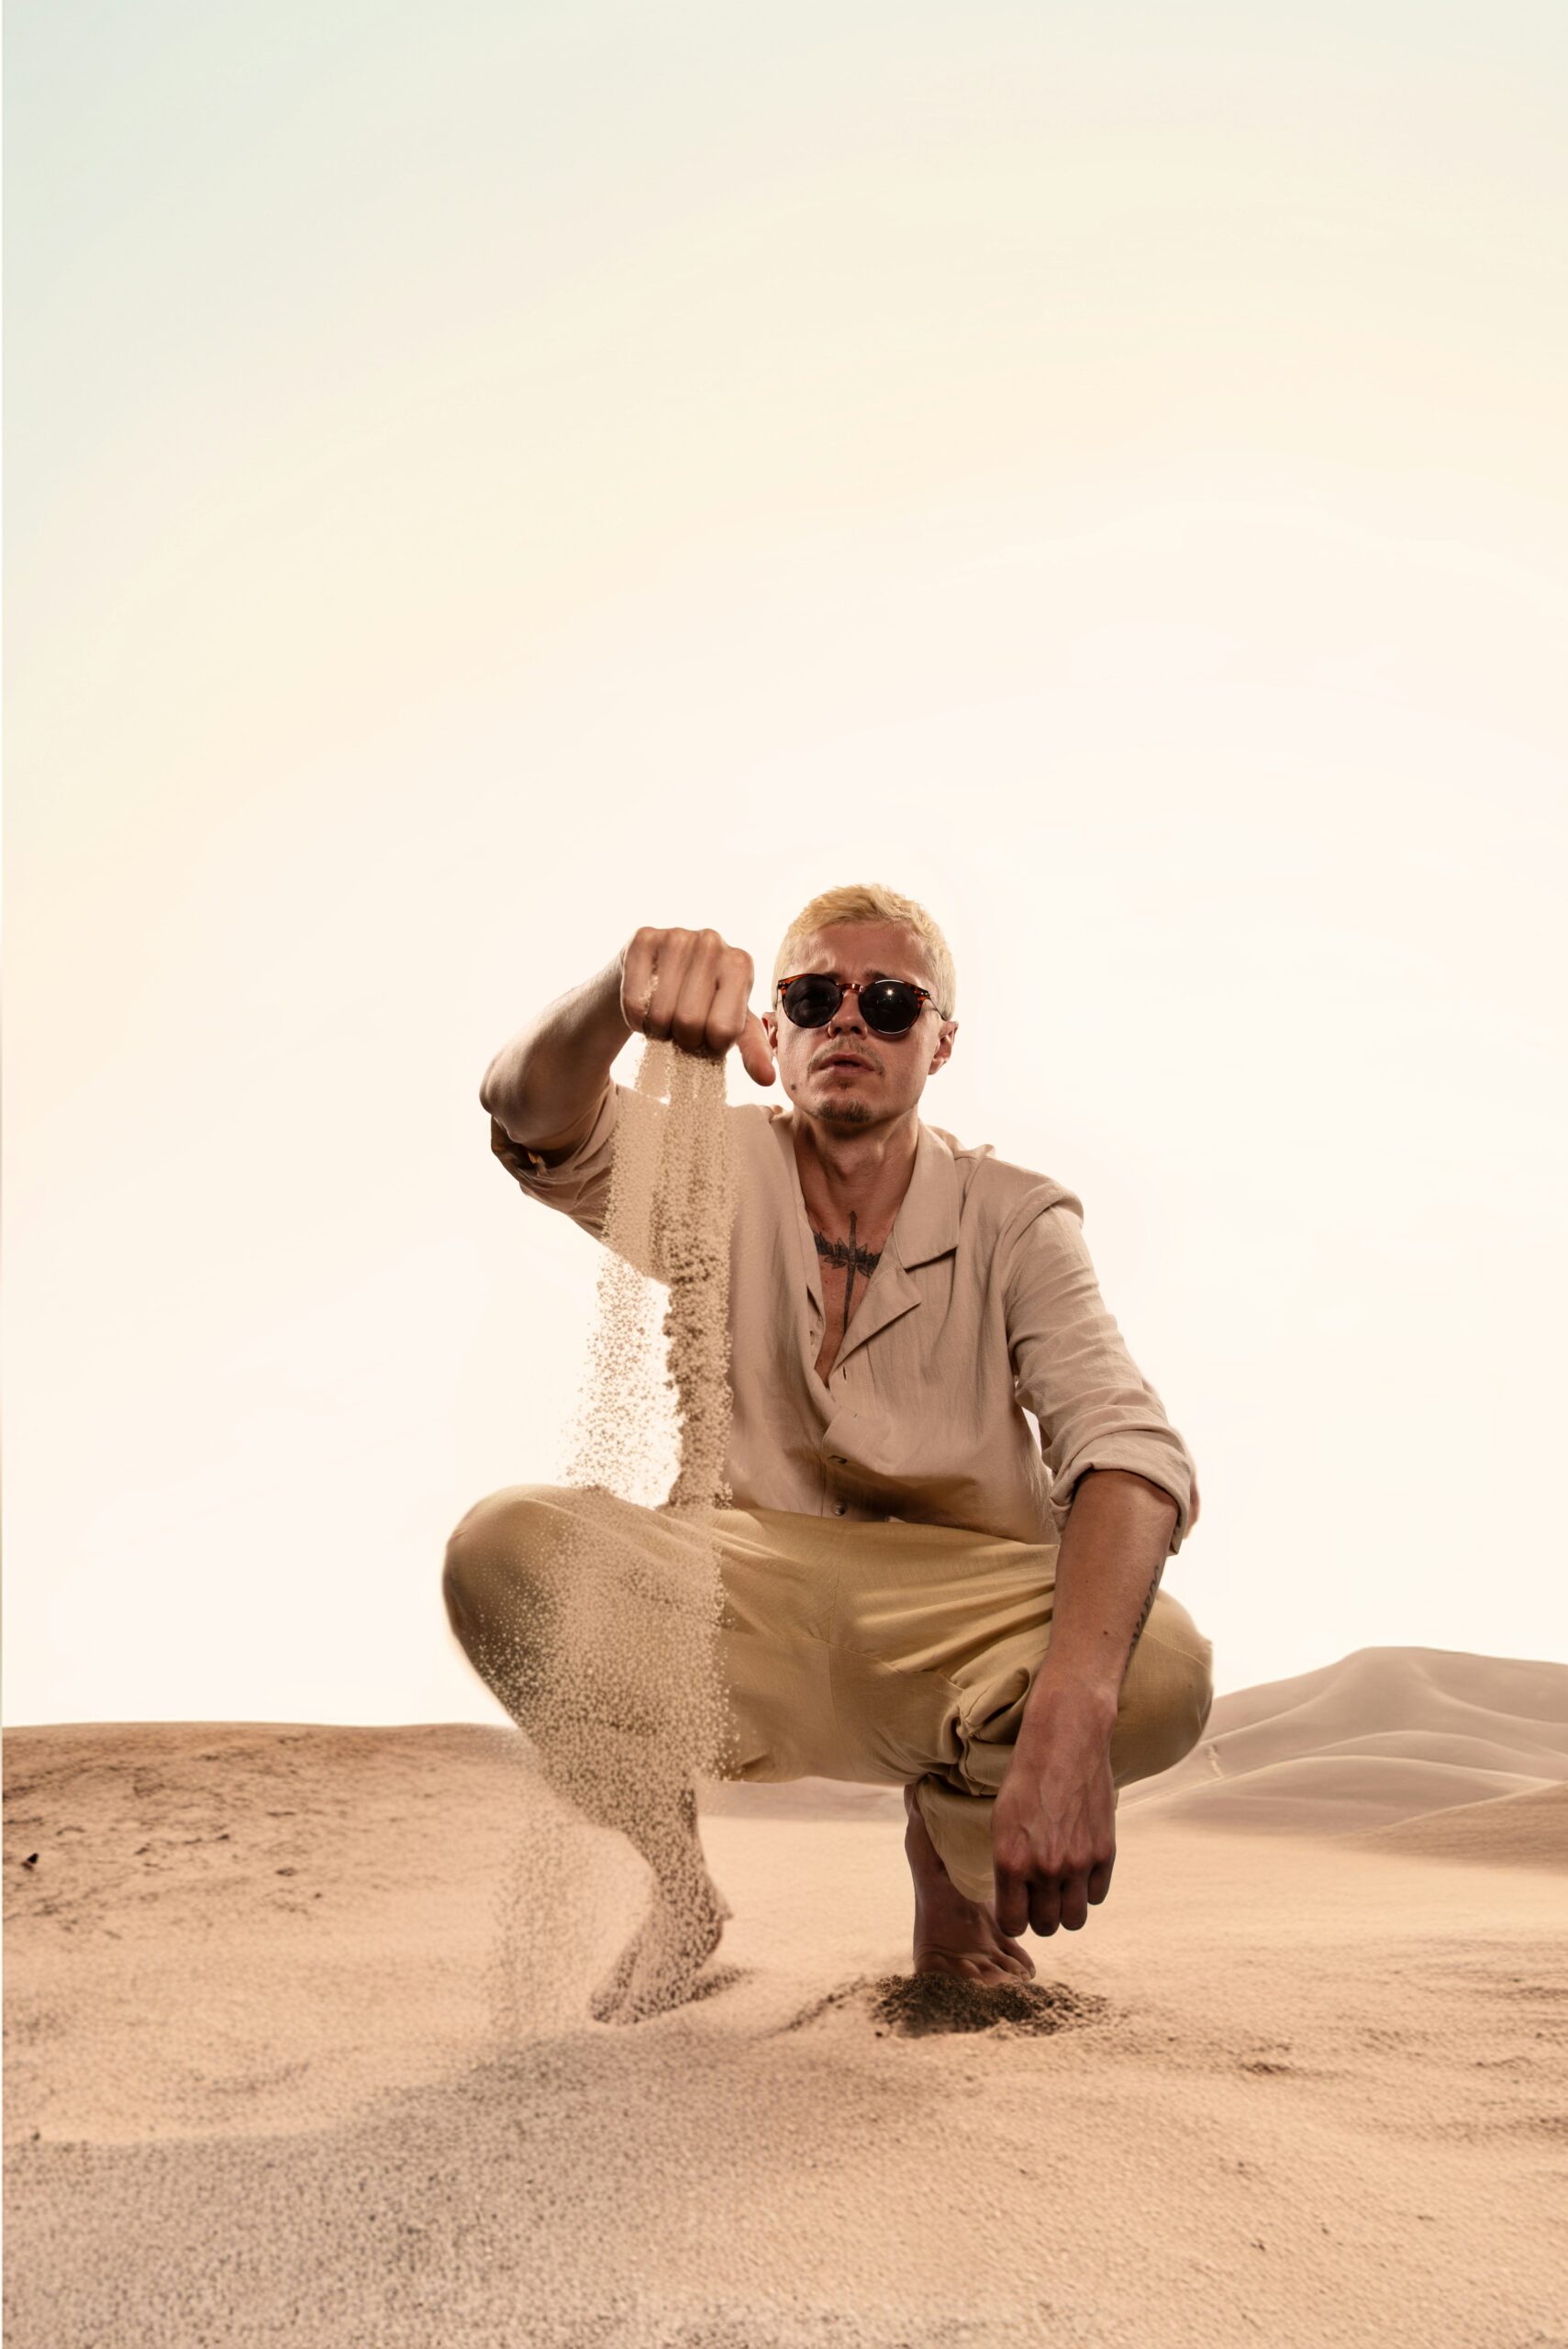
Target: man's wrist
point(1088, 1703)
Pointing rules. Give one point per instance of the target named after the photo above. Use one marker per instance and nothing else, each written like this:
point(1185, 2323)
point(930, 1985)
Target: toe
point(961, 1964)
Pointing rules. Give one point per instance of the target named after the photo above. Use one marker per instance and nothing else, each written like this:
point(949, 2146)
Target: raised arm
point(542, 1089)
point(543, 1086)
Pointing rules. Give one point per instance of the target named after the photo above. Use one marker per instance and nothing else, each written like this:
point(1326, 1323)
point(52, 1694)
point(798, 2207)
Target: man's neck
point(862, 1172)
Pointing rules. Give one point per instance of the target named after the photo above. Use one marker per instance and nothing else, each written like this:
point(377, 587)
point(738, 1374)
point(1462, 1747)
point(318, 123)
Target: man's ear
point(949, 1029)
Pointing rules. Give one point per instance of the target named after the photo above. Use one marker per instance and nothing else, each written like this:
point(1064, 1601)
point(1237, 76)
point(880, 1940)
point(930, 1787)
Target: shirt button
point(840, 1508)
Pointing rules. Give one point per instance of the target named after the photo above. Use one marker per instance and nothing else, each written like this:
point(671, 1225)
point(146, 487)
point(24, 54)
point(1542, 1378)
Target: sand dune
point(1385, 1736)
point(256, 2089)
point(1511, 1830)
point(1336, 1794)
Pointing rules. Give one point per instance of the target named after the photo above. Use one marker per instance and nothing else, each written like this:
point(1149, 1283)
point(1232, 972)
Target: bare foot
point(952, 1933)
point(659, 1966)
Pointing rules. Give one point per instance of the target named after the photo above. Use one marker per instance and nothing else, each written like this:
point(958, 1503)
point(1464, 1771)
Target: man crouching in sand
point(917, 1591)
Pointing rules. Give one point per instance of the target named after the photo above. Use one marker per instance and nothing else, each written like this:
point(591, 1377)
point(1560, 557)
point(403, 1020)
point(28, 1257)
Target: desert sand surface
point(1300, 2080)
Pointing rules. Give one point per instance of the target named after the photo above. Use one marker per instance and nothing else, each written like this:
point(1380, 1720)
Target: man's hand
point(688, 986)
point(1054, 1827)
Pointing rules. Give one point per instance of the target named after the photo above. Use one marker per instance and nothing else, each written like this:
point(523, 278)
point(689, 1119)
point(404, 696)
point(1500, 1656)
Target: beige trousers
point(880, 1651)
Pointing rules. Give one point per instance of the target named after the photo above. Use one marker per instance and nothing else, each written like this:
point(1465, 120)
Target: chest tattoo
point(854, 1259)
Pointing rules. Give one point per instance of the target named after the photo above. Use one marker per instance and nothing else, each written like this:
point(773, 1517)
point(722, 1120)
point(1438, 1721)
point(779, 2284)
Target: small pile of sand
point(914, 2006)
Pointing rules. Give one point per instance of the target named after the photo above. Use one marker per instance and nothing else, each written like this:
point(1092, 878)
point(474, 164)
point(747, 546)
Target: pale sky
point(481, 480)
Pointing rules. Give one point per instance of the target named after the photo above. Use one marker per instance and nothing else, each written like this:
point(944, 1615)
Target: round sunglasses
point(888, 1007)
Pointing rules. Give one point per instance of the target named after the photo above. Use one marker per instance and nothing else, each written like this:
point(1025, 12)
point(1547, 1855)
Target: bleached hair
point(869, 901)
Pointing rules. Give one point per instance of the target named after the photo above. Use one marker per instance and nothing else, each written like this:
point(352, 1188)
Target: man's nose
point(847, 1019)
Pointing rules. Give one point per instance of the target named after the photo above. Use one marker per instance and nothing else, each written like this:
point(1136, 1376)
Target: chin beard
point(846, 1113)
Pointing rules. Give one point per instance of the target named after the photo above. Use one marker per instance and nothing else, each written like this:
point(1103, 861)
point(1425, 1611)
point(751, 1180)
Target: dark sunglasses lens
point(811, 1003)
point(891, 1009)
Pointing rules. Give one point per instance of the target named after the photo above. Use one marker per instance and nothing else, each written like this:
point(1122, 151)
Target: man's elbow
point(1130, 1479)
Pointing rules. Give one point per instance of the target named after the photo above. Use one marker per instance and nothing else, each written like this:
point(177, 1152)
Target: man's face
point(845, 1074)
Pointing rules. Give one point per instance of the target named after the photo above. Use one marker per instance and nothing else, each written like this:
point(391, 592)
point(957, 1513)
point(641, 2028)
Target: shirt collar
point(926, 1222)
point(926, 1225)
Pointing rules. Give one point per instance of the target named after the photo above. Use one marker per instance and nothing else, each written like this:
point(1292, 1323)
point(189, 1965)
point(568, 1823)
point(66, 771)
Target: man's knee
point(1167, 1696)
point(504, 1546)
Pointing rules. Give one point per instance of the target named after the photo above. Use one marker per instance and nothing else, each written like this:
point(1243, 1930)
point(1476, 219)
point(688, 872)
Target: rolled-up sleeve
point(1073, 1370)
point(579, 1184)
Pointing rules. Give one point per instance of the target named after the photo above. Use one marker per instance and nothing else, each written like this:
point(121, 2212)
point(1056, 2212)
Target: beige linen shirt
point(984, 1307)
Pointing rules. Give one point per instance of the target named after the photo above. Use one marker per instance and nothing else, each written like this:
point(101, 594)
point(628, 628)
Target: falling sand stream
point(608, 1658)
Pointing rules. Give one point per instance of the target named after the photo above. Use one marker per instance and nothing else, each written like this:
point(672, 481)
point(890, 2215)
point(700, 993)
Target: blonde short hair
point(869, 901)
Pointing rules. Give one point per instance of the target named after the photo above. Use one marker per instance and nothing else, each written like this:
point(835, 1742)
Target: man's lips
point(844, 1060)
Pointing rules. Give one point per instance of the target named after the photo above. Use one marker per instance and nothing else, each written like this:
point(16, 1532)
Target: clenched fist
point(688, 986)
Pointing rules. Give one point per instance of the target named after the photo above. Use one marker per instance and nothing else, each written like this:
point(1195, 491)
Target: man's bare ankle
point(917, 1838)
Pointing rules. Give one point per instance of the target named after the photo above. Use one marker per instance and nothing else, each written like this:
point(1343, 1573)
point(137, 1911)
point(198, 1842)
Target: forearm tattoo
point(1148, 1603)
point(854, 1260)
